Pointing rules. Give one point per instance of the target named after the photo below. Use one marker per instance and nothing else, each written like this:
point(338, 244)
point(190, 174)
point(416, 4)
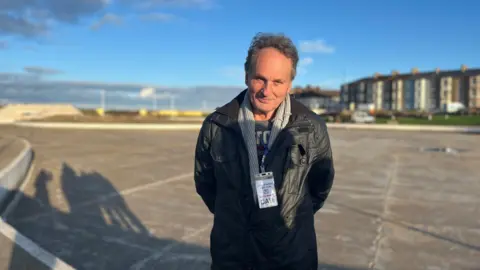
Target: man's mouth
point(264, 99)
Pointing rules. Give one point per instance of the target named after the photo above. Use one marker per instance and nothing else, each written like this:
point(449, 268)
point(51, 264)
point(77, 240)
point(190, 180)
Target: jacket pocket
point(226, 156)
point(295, 168)
point(226, 168)
point(298, 155)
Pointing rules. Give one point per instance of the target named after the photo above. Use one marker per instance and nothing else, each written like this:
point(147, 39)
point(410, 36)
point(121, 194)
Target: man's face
point(269, 81)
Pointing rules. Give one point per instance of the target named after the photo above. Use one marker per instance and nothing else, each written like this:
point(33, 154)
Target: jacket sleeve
point(203, 169)
point(322, 172)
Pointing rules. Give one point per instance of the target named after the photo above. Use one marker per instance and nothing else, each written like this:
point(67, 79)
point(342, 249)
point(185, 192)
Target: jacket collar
point(227, 115)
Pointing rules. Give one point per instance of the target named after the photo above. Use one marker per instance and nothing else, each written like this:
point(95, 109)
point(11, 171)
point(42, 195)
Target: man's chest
point(262, 135)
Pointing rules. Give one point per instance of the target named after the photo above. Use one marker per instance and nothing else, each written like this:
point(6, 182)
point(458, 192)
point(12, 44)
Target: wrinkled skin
point(269, 82)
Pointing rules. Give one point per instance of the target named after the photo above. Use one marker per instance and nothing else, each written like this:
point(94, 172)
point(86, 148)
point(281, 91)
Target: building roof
point(410, 75)
point(317, 92)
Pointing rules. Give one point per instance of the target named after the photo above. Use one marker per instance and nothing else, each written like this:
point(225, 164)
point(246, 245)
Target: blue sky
point(191, 43)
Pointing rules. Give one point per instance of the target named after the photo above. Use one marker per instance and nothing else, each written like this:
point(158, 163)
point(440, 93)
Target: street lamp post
point(172, 105)
point(102, 99)
point(154, 100)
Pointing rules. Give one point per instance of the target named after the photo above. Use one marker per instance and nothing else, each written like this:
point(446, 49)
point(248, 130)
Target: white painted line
point(114, 194)
point(17, 159)
point(188, 257)
point(33, 249)
point(141, 126)
point(155, 256)
point(149, 185)
point(112, 126)
point(403, 127)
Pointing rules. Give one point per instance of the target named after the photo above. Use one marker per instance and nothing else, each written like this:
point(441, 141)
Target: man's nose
point(267, 89)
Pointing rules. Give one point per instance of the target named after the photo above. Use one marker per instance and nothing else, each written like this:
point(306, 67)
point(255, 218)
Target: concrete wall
point(12, 176)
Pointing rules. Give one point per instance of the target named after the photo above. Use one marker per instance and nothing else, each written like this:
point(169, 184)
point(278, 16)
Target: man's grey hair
point(277, 41)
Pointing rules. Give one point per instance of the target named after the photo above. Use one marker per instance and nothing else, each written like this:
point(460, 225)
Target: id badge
point(266, 194)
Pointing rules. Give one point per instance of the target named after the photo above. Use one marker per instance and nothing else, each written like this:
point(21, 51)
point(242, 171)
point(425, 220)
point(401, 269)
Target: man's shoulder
point(209, 122)
point(211, 116)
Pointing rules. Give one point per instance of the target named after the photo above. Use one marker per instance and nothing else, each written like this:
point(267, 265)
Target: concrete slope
point(15, 158)
point(18, 112)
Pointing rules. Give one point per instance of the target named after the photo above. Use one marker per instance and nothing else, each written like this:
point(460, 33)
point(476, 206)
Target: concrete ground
point(13, 257)
point(126, 200)
point(10, 148)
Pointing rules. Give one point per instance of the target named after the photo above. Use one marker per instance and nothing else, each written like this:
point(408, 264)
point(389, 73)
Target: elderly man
point(263, 167)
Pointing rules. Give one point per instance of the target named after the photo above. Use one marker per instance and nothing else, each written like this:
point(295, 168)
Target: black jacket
point(243, 235)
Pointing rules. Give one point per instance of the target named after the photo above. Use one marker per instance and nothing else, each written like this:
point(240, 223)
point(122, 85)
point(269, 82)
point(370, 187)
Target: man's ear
point(246, 78)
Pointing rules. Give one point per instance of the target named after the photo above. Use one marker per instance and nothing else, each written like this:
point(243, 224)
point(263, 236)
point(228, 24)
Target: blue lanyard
point(265, 153)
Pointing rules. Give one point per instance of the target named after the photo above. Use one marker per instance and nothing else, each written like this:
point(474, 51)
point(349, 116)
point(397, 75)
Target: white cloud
point(108, 18)
point(334, 82)
point(41, 70)
point(36, 19)
point(149, 4)
point(305, 61)
point(26, 87)
point(233, 72)
point(159, 17)
point(316, 46)
point(302, 65)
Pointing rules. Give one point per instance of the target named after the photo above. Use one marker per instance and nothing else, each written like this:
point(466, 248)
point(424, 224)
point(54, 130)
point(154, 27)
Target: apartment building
point(344, 94)
point(377, 94)
point(474, 95)
point(421, 98)
point(409, 94)
point(397, 93)
point(360, 90)
point(420, 91)
point(456, 87)
point(434, 92)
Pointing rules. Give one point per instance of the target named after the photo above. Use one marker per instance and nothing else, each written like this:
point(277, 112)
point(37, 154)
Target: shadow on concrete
point(95, 229)
point(408, 227)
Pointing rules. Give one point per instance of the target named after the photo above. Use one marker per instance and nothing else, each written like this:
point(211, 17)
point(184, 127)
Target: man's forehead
point(274, 73)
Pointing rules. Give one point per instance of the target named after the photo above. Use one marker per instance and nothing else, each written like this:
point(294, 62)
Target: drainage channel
point(446, 150)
